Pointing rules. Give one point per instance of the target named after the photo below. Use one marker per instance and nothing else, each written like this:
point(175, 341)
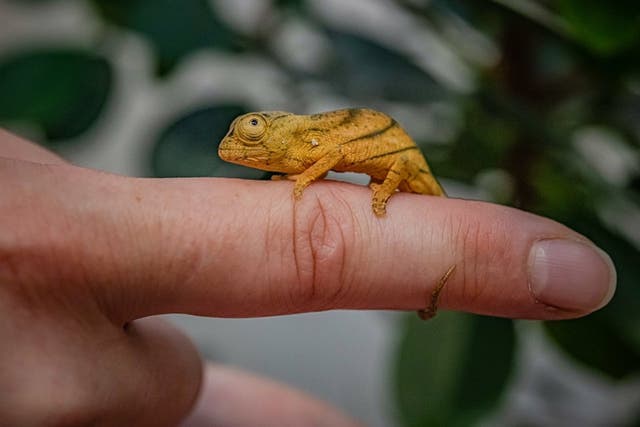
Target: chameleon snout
point(227, 147)
point(234, 151)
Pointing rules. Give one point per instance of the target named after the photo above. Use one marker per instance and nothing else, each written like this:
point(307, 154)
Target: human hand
point(85, 255)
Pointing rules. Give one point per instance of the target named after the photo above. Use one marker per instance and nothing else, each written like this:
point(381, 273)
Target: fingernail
point(571, 275)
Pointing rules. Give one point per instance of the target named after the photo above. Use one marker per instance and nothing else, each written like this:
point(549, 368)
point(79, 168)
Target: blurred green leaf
point(175, 28)
point(484, 142)
point(535, 11)
point(63, 90)
point(604, 27)
point(596, 343)
point(189, 146)
point(290, 4)
point(560, 193)
point(626, 115)
point(365, 70)
point(453, 369)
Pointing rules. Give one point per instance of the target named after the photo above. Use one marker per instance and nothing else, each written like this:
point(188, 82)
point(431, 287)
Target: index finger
point(235, 248)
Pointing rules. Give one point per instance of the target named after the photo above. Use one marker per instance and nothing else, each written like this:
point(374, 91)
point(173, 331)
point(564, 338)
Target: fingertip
point(258, 251)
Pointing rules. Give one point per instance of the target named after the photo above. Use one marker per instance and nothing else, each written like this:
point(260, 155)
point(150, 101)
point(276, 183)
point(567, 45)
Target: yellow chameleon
point(306, 147)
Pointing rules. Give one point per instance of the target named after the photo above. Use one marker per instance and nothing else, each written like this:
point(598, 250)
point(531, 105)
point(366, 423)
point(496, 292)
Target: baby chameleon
point(354, 140)
point(306, 147)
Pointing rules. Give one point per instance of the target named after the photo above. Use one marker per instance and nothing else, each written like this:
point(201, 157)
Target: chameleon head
point(253, 141)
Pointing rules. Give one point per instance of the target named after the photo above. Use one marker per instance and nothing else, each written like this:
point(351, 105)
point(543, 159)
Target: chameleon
point(306, 147)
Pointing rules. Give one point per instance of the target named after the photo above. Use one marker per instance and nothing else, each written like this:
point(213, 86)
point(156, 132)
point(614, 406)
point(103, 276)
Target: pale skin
point(86, 255)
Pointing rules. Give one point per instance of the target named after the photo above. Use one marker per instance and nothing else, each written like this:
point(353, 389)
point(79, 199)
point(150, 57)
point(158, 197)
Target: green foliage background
point(563, 70)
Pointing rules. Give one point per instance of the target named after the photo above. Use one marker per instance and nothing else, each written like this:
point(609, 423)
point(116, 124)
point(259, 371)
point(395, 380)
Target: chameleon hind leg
point(382, 192)
point(432, 307)
point(421, 181)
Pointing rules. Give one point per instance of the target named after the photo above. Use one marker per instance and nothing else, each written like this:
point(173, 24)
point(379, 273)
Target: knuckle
point(25, 257)
point(33, 238)
point(14, 255)
point(486, 256)
point(320, 230)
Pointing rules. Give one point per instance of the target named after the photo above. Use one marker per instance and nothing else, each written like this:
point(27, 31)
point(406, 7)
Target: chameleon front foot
point(299, 187)
point(379, 207)
point(300, 184)
point(432, 308)
point(379, 199)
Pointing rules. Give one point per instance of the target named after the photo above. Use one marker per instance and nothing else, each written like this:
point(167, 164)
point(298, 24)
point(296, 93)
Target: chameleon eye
point(253, 127)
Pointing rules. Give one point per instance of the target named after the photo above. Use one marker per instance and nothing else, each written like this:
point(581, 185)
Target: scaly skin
point(306, 147)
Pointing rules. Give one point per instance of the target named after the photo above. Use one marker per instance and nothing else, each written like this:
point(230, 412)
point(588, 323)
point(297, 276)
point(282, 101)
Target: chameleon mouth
point(233, 155)
point(228, 150)
point(242, 156)
point(227, 153)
